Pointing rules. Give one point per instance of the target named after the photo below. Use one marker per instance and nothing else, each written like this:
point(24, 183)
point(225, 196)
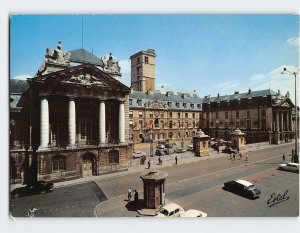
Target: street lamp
point(285, 71)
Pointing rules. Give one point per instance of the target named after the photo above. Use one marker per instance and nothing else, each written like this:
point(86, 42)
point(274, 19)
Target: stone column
point(291, 122)
point(277, 121)
point(72, 123)
point(102, 130)
point(281, 121)
point(44, 129)
point(287, 121)
point(122, 122)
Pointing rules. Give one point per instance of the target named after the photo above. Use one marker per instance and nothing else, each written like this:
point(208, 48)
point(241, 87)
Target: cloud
point(293, 41)
point(22, 77)
point(226, 85)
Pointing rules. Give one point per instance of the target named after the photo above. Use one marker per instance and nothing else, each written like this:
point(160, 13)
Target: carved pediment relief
point(86, 79)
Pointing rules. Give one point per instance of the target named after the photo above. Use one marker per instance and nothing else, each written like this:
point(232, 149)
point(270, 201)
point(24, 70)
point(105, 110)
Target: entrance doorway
point(88, 164)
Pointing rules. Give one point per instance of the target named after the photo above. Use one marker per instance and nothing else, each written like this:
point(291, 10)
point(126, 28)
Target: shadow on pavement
point(135, 205)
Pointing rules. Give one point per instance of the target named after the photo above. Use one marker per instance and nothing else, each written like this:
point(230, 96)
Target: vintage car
point(138, 154)
point(193, 214)
point(170, 210)
point(291, 167)
point(32, 189)
point(243, 188)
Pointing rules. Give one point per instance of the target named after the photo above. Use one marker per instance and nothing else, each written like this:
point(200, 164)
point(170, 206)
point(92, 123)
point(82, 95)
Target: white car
point(170, 210)
point(194, 213)
point(190, 148)
point(138, 154)
point(292, 167)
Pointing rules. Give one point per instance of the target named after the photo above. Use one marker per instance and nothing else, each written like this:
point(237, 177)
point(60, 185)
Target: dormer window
point(199, 106)
point(177, 104)
point(169, 104)
point(192, 106)
point(130, 101)
point(184, 105)
point(139, 102)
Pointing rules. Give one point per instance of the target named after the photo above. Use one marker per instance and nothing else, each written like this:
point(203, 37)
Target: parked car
point(180, 150)
point(243, 188)
point(194, 214)
point(170, 210)
point(291, 167)
point(160, 146)
point(190, 148)
point(32, 189)
point(169, 149)
point(160, 152)
point(229, 150)
point(146, 139)
point(215, 146)
point(138, 154)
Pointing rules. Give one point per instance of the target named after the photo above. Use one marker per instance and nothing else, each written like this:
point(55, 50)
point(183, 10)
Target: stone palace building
point(70, 120)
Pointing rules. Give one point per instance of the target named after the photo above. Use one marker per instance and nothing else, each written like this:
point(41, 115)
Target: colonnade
point(44, 122)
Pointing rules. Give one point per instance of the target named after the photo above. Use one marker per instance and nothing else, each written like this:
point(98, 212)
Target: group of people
point(160, 161)
point(129, 195)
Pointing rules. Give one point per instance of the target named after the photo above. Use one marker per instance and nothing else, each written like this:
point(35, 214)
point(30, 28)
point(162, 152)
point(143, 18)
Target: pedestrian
point(283, 157)
point(129, 193)
point(31, 212)
point(176, 159)
point(246, 157)
point(233, 156)
point(292, 152)
point(149, 164)
point(218, 149)
point(136, 196)
point(240, 154)
point(159, 161)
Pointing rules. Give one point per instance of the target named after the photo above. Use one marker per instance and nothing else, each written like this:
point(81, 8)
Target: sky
point(208, 53)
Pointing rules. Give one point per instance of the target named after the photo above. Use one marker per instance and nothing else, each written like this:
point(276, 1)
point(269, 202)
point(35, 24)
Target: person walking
point(283, 157)
point(129, 194)
point(159, 161)
point(233, 156)
point(31, 212)
point(246, 157)
point(149, 164)
point(136, 196)
point(176, 159)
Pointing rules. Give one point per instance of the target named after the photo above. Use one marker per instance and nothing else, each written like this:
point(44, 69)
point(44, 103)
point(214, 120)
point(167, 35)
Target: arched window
point(58, 162)
point(113, 156)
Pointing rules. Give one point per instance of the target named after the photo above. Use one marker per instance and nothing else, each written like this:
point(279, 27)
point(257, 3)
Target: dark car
point(32, 189)
point(215, 146)
point(229, 150)
point(160, 152)
point(243, 188)
point(146, 139)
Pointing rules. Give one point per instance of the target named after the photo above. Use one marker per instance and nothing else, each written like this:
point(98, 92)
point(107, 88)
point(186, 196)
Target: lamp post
point(285, 71)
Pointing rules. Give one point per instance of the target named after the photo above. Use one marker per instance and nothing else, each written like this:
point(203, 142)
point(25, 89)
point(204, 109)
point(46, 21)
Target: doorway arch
point(88, 164)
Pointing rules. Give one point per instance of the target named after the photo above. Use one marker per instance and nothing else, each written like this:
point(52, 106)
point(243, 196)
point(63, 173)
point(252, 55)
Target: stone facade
point(73, 118)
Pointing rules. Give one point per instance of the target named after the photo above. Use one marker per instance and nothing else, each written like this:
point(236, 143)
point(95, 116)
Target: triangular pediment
point(82, 76)
point(286, 102)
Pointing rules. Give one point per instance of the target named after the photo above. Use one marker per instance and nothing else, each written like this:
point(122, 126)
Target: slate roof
point(17, 86)
point(163, 98)
point(83, 56)
point(239, 96)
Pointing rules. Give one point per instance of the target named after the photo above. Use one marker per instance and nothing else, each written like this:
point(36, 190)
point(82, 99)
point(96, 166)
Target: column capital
point(71, 97)
point(43, 96)
point(101, 99)
point(122, 100)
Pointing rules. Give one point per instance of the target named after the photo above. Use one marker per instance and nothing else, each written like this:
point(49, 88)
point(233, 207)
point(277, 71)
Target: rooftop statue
point(58, 55)
point(111, 64)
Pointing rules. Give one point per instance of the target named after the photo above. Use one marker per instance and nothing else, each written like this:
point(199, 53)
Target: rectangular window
point(237, 114)
point(170, 114)
point(237, 124)
point(263, 124)
point(226, 115)
point(130, 101)
point(217, 114)
point(170, 124)
point(178, 115)
point(263, 113)
point(139, 102)
point(138, 60)
point(248, 122)
point(248, 114)
point(226, 125)
point(130, 114)
point(186, 115)
point(151, 114)
point(140, 114)
point(146, 59)
point(194, 115)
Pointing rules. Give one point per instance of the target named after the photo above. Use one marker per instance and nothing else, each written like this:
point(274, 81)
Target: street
point(195, 185)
